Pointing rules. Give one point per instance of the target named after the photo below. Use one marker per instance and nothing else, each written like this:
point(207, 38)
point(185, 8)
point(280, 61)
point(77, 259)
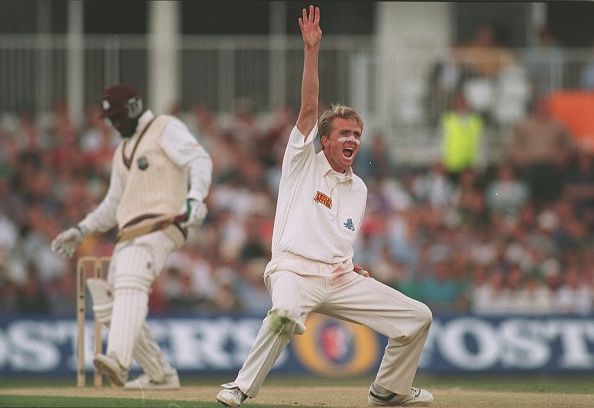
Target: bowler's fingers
point(357, 268)
point(313, 16)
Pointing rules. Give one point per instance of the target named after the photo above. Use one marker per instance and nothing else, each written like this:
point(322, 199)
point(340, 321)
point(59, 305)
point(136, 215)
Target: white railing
point(214, 70)
point(218, 71)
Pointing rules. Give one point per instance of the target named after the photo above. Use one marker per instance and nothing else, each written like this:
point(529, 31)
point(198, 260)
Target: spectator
point(579, 189)
point(31, 297)
point(461, 132)
point(483, 55)
point(492, 297)
point(540, 150)
point(544, 62)
point(506, 195)
point(534, 297)
point(434, 186)
point(441, 291)
point(575, 294)
point(375, 158)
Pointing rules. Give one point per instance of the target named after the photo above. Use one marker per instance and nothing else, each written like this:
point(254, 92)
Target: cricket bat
point(155, 224)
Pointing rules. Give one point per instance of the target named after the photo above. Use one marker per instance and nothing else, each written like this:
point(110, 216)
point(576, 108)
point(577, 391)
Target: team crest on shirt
point(142, 163)
point(323, 199)
point(349, 224)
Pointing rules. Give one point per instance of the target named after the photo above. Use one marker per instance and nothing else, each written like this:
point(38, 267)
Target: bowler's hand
point(195, 213)
point(359, 269)
point(310, 27)
point(66, 242)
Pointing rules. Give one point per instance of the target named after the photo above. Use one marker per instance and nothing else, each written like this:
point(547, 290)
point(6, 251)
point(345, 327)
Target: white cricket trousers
point(301, 286)
point(134, 266)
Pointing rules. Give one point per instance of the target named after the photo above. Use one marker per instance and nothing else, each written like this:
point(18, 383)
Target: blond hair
point(337, 111)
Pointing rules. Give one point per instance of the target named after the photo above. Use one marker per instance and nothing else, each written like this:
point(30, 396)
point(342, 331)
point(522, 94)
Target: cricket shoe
point(416, 396)
point(231, 395)
point(112, 369)
point(144, 382)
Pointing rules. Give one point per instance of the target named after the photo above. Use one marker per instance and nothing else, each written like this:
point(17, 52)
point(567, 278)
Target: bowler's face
point(343, 144)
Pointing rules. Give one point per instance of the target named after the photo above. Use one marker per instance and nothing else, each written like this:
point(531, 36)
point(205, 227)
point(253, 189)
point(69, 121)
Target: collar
point(143, 122)
point(325, 169)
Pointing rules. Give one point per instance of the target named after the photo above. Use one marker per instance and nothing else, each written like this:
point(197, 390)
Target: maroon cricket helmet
point(121, 99)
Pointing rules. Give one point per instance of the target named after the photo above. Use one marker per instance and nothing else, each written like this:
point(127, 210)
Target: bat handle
point(180, 217)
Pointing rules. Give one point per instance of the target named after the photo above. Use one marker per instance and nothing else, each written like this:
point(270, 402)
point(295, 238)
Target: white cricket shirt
point(319, 211)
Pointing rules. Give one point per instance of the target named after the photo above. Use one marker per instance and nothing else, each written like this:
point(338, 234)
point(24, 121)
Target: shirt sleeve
point(299, 148)
point(185, 151)
point(103, 218)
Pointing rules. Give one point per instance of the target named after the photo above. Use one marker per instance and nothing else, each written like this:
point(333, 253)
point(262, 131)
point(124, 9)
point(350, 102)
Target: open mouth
point(348, 152)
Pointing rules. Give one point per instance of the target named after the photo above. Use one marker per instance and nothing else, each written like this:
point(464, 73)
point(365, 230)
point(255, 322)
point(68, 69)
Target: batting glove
point(195, 213)
point(66, 242)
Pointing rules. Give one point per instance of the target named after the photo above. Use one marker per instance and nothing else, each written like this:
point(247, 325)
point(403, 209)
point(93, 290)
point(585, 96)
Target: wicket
point(98, 266)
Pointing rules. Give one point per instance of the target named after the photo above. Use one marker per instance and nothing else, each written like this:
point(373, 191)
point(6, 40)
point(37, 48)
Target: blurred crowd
point(493, 239)
point(463, 236)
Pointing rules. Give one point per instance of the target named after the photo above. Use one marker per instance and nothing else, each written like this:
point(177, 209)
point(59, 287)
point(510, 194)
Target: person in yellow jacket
point(462, 131)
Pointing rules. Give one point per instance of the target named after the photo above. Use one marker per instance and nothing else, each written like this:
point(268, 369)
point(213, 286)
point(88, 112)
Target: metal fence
point(219, 71)
point(214, 70)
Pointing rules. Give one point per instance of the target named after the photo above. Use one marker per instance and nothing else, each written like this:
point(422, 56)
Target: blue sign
point(220, 344)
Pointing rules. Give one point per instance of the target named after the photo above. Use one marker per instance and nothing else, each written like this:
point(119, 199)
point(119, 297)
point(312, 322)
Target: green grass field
point(283, 391)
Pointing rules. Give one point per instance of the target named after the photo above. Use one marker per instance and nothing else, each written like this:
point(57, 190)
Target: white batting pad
point(132, 280)
point(130, 308)
point(149, 356)
point(102, 296)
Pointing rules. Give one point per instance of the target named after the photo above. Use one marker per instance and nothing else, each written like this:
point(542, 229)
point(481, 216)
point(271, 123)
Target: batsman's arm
point(183, 149)
point(309, 23)
point(103, 218)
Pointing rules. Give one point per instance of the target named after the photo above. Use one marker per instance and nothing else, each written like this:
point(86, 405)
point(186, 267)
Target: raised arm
point(310, 83)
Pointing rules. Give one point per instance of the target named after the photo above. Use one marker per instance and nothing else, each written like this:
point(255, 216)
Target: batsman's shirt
point(174, 153)
point(319, 211)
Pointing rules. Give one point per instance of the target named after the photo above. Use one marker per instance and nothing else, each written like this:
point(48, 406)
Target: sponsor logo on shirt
point(323, 199)
point(142, 163)
point(349, 224)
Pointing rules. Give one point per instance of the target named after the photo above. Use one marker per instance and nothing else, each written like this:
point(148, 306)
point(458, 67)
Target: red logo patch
point(323, 199)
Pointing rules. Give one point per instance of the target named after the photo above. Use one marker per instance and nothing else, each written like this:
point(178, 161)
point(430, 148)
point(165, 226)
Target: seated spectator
point(579, 188)
point(506, 195)
point(490, 297)
point(32, 298)
point(534, 297)
point(375, 159)
point(434, 186)
point(252, 295)
point(441, 291)
point(574, 297)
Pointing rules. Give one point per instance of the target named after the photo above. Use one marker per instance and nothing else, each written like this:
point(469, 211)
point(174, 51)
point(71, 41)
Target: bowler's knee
point(418, 321)
point(425, 315)
point(284, 321)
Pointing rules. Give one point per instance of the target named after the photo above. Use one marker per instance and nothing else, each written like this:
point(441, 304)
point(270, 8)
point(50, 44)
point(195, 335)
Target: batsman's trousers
point(134, 266)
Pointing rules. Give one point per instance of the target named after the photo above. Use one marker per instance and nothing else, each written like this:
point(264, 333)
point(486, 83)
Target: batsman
point(158, 169)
